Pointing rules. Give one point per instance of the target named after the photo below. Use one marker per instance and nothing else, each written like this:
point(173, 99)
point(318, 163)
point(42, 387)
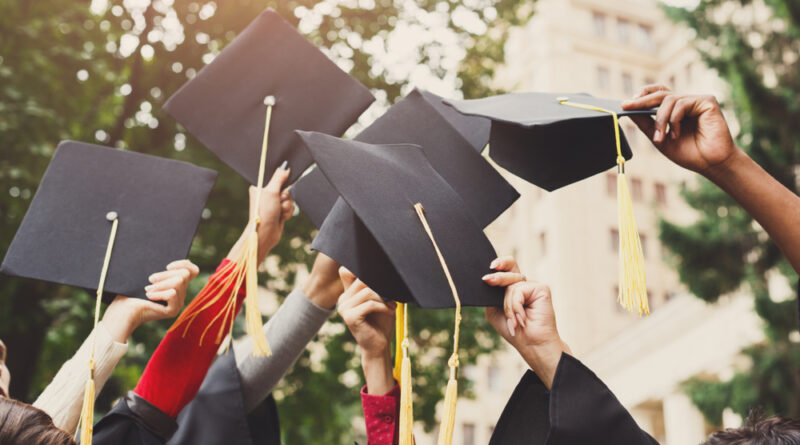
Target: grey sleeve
point(295, 323)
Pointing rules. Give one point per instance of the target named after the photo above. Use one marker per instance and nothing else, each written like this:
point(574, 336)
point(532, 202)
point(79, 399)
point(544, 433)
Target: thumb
point(347, 277)
point(279, 178)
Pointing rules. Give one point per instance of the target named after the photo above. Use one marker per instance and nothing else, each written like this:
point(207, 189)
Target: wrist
point(377, 366)
point(119, 322)
point(543, 358)
point(723, 172)
point(323, 290)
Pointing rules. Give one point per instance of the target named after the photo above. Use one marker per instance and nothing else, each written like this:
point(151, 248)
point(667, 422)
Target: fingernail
point(495, 263)
point(673, 135)
point(521, 320)
point(149, 288)
point(510, 326)
point(487, 277)
point(284, 165)
point(657, 135)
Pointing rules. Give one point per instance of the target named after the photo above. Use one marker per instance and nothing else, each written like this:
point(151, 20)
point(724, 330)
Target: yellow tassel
point(633, 287)
point(244, 270)
point(451, 393)
point(632, 281)
point(399, 334)
point(86, 422)
point(450, 399)
point(406, 436)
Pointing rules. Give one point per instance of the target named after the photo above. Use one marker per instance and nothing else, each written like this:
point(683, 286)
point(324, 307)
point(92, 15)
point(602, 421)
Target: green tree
point(99, 71)
point(754, 47)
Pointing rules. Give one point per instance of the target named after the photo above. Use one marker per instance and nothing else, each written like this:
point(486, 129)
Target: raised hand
point(527, 319)
point(275, 207)
point(125, 314)
point(698, 137)
point(371, 321)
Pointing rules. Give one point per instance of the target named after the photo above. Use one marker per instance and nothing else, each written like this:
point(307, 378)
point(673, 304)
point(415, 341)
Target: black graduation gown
point(578, 409)
point(215, 416)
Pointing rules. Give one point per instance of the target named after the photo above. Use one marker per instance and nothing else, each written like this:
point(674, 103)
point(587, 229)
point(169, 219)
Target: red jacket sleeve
point(381, 416)
point(180, 363)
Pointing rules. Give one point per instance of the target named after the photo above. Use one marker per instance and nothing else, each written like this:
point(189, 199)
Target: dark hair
point(22, 424)
point(759, 431)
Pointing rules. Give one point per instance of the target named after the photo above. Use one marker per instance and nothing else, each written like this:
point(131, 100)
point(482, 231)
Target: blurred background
point(723, 337)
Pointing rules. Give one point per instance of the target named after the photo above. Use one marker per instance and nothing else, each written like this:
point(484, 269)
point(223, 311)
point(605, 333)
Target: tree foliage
point(100, 71)
point(754, 46)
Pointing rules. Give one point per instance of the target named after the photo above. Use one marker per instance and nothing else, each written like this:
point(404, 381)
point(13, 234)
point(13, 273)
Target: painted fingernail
point(510, 324)
point(284, 165)
point(521, 320)
point(487, 277)
point(149, 288)
point(657, 135)
point(495, 263)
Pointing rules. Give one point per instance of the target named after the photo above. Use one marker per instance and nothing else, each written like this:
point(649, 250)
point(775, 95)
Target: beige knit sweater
point(63, 397)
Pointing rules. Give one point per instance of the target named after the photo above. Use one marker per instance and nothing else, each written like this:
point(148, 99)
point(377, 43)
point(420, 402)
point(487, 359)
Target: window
point(643, 242)
point(469, 433)
point(494, 378)
point(623, 30)
point(646, 37)
point(603, 78)
point(627, 84)
point(661, 194)
point(636, 189)
point(611, 184)
point(599, 24)
point(614, 240)
point(543, 244)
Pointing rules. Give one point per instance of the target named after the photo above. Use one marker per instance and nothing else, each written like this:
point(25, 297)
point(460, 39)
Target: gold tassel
point(633, 287)
point(451, 393)
point(399, 334)
point(406, 436)
point(244, 270)
point(86, 420)
point(632, 280)
point(450, 399)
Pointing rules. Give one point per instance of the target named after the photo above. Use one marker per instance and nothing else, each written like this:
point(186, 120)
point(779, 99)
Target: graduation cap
point(245, 105)
point(269, 63)
point(553, 140)
point(451, 141)
point(420, 223)
point(65, 233)
point(106, 219)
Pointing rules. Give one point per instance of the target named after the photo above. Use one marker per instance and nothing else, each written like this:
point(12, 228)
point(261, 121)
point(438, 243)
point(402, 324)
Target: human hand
point(324, 286)
point(125, 314)
point(371, 321)
point(527, 319)
point(275, 207)
point(698, 137)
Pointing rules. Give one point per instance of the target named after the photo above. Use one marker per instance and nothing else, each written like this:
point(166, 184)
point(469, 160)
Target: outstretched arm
point(691, 131)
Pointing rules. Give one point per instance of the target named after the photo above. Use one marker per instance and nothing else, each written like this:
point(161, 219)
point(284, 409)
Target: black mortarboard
point(381, 184)
point(224, 104)
point(421, 118)
point(64, 235)
point(546, 142)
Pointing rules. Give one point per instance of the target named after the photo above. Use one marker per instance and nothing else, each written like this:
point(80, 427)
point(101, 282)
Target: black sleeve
point(217, 414)
point(134, 421)
point(580, 409)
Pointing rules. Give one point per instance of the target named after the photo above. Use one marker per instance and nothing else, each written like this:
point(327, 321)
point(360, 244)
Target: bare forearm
point(378, 372)
point(774, 206)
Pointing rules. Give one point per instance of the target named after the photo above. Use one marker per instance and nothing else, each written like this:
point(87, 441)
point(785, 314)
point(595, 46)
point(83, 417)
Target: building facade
point(568, 238)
